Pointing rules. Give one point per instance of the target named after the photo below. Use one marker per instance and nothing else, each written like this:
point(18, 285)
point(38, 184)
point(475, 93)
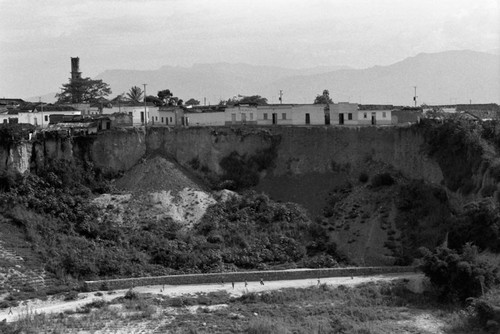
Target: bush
point(458, 276)
point(363, 177)
point(384, 179)
point(131, 294)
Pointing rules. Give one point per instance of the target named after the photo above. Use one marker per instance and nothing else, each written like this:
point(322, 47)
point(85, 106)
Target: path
point(58, 305)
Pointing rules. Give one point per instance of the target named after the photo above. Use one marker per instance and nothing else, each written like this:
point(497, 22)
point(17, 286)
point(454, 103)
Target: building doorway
point(308, 119)
point(275, 118)
point(374, 118)
point(341, 119)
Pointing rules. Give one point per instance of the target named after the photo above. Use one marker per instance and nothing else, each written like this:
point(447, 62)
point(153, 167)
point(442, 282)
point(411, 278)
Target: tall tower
point(75, 68)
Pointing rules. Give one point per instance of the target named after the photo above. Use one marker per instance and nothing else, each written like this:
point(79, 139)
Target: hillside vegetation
point(73, 238)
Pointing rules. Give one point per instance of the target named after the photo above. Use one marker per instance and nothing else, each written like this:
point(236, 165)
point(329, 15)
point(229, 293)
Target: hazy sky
point(38, 37)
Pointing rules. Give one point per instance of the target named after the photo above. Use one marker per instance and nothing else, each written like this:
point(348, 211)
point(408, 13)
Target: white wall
point(316, 114)
point(135, 111)
point(206, 118)
point(42, 118)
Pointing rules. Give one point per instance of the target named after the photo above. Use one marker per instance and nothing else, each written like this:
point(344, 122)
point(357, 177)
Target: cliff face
point(111, 151)
point(16, 156)
point(301, 150)
point(298, 150)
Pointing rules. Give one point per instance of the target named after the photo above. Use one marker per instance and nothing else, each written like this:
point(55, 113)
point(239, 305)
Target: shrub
point(458, 276)
point(383, 179)
point(194, 163)
point(131, 294)
point(267, 326)
point(70, 295)
point(488, 190)
point(363, 177)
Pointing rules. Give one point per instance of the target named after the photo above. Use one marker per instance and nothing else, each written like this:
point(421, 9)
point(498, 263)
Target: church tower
point(75, 68)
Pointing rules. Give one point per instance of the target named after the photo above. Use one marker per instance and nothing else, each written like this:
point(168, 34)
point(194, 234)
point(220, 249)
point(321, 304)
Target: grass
point(370, 308)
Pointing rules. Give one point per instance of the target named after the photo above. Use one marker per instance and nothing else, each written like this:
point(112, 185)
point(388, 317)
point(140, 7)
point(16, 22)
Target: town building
point(275, 114)
point(139, 113)
point(40, 115)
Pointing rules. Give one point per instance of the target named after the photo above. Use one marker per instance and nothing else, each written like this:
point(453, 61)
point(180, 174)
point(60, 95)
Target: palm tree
point(135, 94)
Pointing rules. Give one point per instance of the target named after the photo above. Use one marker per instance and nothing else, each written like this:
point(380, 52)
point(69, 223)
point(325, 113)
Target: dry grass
point(371, 308)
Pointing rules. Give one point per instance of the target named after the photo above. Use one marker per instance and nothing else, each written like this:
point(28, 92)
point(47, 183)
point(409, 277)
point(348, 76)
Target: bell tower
point(75, 68)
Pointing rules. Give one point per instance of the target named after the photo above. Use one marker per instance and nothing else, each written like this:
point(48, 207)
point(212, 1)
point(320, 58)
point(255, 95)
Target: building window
point(46, 118)
point(349, 116)
point(383, 114)
point(265, 116)
point(170, 119)
point(157, 118)
point(243, 117)
point(365, 115)
point(283, 116)
point(233, 118)
point(162, 119)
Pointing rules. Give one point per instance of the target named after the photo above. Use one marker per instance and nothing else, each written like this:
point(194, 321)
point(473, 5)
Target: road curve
point(37, 306)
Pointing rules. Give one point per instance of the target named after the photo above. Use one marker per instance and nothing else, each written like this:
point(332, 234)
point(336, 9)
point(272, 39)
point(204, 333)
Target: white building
point(42, 118)
point(140, 114)
point(276, 114)
point(345, 113)
point(206, 118)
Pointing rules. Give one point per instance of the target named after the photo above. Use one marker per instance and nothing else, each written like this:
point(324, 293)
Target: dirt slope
point(156, 189)
point(156, 174)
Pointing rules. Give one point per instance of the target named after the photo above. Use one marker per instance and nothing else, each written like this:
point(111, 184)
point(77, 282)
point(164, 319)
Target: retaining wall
point(293, 274)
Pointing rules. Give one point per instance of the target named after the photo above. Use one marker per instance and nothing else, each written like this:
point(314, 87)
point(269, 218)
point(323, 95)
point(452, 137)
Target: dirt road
point(58, 305)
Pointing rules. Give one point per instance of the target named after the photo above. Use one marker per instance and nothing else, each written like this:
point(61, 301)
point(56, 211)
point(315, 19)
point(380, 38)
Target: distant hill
point(213, 81)
point(449, 77)
point(446, 77)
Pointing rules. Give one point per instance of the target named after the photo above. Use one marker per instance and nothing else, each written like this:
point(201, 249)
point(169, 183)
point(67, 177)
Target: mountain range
point(440, 78)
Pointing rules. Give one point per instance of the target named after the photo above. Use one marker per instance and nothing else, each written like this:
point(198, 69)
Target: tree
point(458, 276)
point(165, 96)
point(135, 94)
point(192, 102)
point(254, 99)
point(157, 102)
point(83, 90)
point(324, 98)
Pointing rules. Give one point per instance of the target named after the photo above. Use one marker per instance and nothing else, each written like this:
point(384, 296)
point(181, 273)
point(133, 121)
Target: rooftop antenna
point(145, 109)
point(415, 96)
point(281, 96)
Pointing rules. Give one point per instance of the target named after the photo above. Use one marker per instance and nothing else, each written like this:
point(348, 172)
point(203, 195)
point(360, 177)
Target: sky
point(38, 37)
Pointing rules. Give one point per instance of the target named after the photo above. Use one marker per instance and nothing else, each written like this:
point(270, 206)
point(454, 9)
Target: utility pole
point(415, 96)
point(145, 112)
point(281, 96)
point(41, 108)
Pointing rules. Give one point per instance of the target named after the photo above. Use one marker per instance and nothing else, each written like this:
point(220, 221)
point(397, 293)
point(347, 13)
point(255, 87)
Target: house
point(275, 114)
point(244, 114)
point(205, 118)
point(76, 128)
point(8, 117)
point(168, 115)
point(375, 114)
point(119, 120)
point(39, 115)
point(344, 113)
point(139, 112)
